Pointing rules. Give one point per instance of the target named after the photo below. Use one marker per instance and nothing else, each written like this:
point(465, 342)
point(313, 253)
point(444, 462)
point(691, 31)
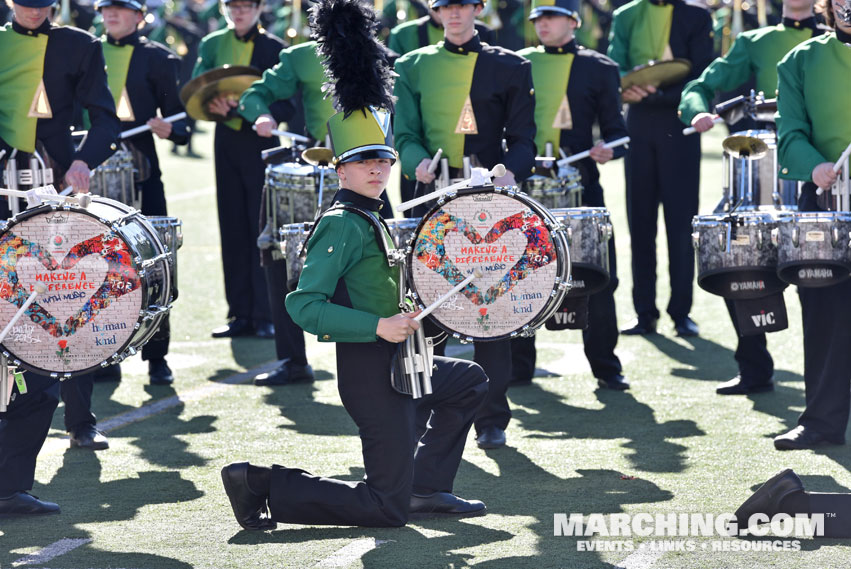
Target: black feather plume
point(356, 63)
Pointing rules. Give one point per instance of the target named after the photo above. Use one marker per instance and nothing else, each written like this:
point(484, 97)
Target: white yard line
point(352, 552)
point(56, 549)
point(156, 407)
point(640, 559)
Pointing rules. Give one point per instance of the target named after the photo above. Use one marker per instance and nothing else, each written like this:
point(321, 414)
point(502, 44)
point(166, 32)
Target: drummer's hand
point(264, 125)
point(506, 180)
point(397, 328)
point(600, 154)
point(160, 127)
point(823, 175)
point(78, 176)
point(703, 121)
point(635, 93)
point(423, 175)
point(221, 105)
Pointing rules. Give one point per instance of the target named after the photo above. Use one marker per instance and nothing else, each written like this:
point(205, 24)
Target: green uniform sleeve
point(724, 74)
point(408, 123)
point(796, 153)
point(277, 84)
point(206, 58)
point(619, 42)
point(335, 247)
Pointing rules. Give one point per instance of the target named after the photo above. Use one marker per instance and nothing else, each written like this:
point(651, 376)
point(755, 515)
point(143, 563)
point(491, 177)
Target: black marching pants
point(23, 430)
point(289, 338)
point(756, 366)
point(397, 460)
point(662, 167)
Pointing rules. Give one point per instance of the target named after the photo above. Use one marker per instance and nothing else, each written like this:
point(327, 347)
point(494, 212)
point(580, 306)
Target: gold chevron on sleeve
point(467, 120)
point(40, 106)
point(563, 119)
point(124, 109)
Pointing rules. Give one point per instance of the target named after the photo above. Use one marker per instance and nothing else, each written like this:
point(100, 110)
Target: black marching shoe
point(285, 374)
point(641, 326)
point(686, 327)
point(264, 330)
point(736, 386)
point(766, 500)
point(445, 504)
point(25, 504)
point(235, 327)
point(159, 372)
point(616, 383)
point(802, 438)
point(490, 437)
point(88, 437)
point(249, 508)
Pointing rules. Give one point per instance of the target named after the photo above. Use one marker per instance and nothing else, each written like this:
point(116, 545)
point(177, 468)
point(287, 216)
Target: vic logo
point(762, 319)
point(565, 317)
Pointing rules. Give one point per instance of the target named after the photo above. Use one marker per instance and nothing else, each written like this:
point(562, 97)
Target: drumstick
point(691, 130)
point(39, 289)
point(431, 167)
point(498, 170)
point(294, 136)
point(146, 128)
point(436, 304)
point(837, 166)
point(570, 159)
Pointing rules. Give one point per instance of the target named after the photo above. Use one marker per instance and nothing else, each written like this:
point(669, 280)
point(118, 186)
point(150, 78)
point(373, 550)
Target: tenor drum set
point(757, 242)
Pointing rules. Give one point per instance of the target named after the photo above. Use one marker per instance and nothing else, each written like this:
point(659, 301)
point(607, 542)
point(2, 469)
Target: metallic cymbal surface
point(228, 81)
point(318, 156)
point(745, 147)
point(657, 73)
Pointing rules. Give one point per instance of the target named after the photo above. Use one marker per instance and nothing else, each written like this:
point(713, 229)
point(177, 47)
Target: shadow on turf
point(711, 361)
point(622, 417)
point(85, 499)
point(310, 417)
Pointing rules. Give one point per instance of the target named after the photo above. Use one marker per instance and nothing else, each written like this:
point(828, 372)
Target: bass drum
point(107, 281)
point(513, 240)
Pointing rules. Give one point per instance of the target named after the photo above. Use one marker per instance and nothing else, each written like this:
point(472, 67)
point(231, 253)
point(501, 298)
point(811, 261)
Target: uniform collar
point(42, 29)
point(132, 39)
point(250, 35)
point(569, 47)
point(475, 44)
point(806, 23)
point(348, 196)
point(843, 37)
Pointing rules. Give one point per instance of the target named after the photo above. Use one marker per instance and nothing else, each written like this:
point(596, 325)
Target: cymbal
point(657, 73)
point(745, 147)
point(228, 81)
point(318, 156)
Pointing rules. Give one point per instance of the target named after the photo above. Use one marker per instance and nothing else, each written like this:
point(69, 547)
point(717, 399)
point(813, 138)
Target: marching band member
point(754, 53)
point(424, 31)
point(349, 294)
point(663, 165)
point(490, 99)
point(240, 169)
point(589, 83)
point(814, 127)
point(298, 68)
point(47, 71)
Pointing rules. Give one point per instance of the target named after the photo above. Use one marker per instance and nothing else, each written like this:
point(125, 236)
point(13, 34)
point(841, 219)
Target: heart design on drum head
point(530, 248)
point(99, 270)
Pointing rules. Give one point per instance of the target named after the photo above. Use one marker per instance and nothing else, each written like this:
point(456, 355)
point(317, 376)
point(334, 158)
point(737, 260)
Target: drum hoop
point(134, 215)
point(563, 268)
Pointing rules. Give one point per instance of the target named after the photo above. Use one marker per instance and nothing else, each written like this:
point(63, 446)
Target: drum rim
point(139, 337)
point(563, 266)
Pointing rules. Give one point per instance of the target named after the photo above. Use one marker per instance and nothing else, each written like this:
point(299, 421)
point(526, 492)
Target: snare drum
point(114, 179)
point(517, 245)
point(108, 281)
point(402, 230)
point(292, 240)
point(588, 232)
point(814, 248)
point(292, 191)
point(565, 191)
point(755, 182)
point(736, 255)
point(170, 231)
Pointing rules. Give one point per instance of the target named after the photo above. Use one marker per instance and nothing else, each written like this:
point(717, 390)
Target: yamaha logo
point(747, 285)
point(822, 273)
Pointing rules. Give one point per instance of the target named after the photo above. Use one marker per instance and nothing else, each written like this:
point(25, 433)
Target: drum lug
point(695, 240)
point(834, 236)
point(796, 236)
point(775, 236)
point(760, 241)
